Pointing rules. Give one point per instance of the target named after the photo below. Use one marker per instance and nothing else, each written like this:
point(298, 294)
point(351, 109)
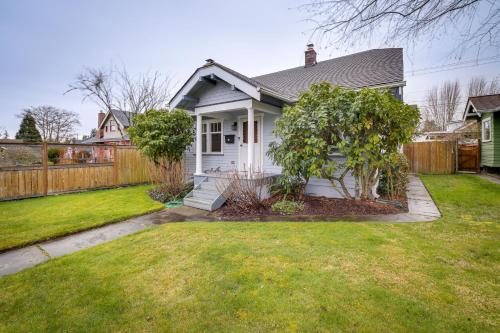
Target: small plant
point(288, 185)
point(287, 207)
point(394, 177)
point(164, 192)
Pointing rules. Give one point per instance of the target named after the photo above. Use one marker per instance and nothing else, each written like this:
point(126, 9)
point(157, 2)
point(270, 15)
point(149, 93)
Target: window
point(112, 125)
point(211, 137)
point(216, 137)
point(486, 132)
point(255, 132)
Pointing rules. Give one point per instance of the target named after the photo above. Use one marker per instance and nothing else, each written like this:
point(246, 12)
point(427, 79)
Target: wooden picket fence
point(433, 157)
point(128, 167)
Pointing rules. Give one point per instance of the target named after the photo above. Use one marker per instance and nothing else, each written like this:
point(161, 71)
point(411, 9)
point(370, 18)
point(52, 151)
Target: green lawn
point(258, 277)
point(27, 221)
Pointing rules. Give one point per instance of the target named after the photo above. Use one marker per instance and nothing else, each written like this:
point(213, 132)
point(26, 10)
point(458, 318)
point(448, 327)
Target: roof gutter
point(274, 94)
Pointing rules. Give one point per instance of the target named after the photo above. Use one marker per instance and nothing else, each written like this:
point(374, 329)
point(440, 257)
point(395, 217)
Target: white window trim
point(209, 136)
point(111, 125)
point(482, 130)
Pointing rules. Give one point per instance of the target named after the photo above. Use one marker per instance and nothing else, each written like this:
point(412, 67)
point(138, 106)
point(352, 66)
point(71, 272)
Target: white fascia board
point(231, 79)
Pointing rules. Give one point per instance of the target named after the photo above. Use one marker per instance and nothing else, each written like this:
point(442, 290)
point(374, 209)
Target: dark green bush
point(394, 177)
point(286, 207)
point(53, 154)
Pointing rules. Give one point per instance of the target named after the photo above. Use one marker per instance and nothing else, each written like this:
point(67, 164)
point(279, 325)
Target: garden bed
point(314, 207)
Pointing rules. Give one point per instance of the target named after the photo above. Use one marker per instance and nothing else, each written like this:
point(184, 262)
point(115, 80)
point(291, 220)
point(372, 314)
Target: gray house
point(224, 102)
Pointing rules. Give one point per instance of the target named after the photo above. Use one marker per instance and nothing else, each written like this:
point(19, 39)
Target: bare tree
point(96, 85)
point(348, 22)
point(442, 103)
point(479, 86)
point(54, 124)
point(117, 89)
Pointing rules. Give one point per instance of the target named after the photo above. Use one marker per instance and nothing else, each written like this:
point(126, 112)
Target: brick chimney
point(310, 56)
point(100, 119)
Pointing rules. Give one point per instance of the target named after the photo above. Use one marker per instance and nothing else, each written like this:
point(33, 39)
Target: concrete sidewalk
point(16, 260)
point(421, 208)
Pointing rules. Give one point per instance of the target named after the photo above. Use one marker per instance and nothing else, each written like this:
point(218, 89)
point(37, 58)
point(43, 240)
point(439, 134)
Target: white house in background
point(224, 102)
point(111, 128)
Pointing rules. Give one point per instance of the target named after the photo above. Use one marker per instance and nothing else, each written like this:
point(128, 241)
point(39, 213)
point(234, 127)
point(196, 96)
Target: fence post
point(45, 165)
point(115, 165)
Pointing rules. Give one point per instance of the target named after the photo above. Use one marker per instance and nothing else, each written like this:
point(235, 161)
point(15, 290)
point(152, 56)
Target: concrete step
point(208, 186)
point(206, 194)
point(198, 203)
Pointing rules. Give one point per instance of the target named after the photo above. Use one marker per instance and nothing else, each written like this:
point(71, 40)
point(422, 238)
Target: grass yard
point(31, 220)
point(283, 277)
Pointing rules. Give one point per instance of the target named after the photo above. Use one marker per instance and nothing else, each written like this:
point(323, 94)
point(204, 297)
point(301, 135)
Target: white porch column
point(251, 139)
point(199, 167)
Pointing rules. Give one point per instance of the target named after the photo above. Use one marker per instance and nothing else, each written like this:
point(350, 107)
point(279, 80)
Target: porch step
point(198, 203)
point(206, 194)
point(209, 186)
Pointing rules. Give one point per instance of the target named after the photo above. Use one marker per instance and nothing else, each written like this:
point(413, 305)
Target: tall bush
point(366, 126)
point(163, 137)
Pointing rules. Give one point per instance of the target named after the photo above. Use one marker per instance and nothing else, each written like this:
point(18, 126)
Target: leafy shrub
point(53, 154)
point(286, 207)
point(394, 177)
point(288, 185)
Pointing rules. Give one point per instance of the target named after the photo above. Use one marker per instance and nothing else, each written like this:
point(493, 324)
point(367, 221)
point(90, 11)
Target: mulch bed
point(316, 207)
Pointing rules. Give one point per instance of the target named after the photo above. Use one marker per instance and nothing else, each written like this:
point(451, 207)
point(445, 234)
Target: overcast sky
point(45, 44)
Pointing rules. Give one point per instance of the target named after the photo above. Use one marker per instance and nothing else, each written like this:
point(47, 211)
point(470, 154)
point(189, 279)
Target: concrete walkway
point(421, 208)
point(489, 178)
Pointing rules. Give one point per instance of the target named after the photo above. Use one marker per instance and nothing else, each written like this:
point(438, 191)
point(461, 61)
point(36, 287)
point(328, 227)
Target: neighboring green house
point(486, 111)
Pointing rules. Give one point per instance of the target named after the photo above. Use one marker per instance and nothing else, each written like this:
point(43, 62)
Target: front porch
point(226, 146)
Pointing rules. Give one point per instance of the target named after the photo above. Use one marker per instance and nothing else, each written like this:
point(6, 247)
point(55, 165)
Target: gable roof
point(364, 69)
point(377, 67)
point(482, 104)
point(123, 117)
point(486, 103)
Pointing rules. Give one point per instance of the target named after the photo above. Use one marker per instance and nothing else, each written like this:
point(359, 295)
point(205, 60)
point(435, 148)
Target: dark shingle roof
point(124, 117)
point(364, 69)
point(487, 103)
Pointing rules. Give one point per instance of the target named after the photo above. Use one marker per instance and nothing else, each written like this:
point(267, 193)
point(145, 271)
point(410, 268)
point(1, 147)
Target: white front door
point(243, 150)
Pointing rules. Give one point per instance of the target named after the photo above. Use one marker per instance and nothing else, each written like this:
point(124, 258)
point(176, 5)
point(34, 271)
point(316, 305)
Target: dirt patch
point(313, 207)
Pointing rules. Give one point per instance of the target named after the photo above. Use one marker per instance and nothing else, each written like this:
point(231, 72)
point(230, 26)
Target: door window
point(245, 132)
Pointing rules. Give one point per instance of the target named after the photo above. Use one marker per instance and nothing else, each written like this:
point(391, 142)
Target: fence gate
point(468, 157)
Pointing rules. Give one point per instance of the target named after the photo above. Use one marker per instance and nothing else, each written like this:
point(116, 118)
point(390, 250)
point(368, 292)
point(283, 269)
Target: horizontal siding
point(227, 161)
point(490, 151)
point(220, 93)
point(322, 187)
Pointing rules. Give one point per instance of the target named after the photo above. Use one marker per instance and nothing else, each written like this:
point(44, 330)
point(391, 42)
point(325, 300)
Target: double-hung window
point(112, 125)
point(211, 137)
point(486, 130)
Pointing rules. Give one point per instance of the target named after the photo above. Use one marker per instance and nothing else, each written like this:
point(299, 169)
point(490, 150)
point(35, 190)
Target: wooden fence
point(127, 167)
point(435, 157)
